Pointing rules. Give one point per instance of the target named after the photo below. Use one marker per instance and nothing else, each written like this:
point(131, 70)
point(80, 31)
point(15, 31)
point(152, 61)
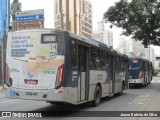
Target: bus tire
point(121, 92)
point(56, 103)
point(97, 96)
point(145, 84)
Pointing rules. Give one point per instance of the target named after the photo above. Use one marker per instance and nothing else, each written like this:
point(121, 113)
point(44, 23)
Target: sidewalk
point(1, 88)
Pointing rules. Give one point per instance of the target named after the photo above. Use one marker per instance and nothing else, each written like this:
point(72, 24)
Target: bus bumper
point(43, 95)
point(136, 81)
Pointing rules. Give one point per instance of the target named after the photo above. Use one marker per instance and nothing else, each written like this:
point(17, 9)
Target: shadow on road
point(68, 110)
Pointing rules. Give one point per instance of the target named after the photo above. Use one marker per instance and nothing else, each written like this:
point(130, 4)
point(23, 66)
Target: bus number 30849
point(31, 93)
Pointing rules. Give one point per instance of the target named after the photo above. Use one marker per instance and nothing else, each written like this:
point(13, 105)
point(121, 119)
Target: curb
point(1, 89)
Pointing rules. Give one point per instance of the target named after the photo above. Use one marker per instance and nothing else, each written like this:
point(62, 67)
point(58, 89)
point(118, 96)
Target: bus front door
point(83, 73)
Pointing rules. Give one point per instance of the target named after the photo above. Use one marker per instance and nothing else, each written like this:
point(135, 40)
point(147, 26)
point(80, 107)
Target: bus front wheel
point(97, 96)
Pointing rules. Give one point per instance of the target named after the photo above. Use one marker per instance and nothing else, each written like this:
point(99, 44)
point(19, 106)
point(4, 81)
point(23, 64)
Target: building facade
point(123, 46)
point(157, 62)
point(104, 36)
point(74, 16)
point(149, 54)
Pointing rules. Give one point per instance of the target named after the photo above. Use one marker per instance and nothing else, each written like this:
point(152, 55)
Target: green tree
point(139, 18)
point(156, 71)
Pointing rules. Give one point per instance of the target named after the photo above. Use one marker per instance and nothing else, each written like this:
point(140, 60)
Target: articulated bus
point(58, 67)
point(140, 71)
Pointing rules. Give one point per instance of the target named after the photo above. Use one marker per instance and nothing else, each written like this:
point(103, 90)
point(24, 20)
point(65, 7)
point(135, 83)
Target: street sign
point(29, 19)
point(30, 25)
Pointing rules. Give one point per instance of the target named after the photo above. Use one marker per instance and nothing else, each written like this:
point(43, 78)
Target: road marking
point(140, 103)
point(146, 104)
point(155, 81)
point(130, 102)
point(8, 101)
point(139, 99)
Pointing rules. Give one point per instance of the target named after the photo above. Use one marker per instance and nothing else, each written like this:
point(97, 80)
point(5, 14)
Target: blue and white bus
point(140, 71)
point(60, 67)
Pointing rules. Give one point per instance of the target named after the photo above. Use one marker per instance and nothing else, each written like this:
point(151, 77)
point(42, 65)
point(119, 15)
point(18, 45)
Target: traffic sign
point(30, 25)
point(29, 19)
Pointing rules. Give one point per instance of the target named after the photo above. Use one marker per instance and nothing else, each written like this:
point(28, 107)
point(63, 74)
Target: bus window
point(95, 59)
point(74, 61)
point(73, 53)
point(104, 61)
point(73, 46)
point(92, 64)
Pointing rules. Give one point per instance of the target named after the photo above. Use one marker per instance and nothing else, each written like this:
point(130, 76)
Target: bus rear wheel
point(122, 88)
point(97, 96)
point(56, 103)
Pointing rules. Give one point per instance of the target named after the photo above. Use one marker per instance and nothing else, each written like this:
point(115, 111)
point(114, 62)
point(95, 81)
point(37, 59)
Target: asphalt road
point(133, 99)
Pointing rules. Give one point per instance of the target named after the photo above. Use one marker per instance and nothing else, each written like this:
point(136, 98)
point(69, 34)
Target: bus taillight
point(140, 74)
point(8, 82)
point(59, 78)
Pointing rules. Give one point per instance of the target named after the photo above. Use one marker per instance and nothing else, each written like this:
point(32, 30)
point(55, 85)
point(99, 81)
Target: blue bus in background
point(140, 71)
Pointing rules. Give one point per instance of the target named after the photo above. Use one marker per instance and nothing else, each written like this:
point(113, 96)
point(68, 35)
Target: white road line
point(140, 103)
point(153, 80)
point(8, 101)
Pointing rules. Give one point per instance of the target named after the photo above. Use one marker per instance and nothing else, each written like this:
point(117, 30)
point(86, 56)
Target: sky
point(98, 7)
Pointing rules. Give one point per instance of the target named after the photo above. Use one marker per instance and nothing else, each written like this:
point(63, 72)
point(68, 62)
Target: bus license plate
point(31, 93)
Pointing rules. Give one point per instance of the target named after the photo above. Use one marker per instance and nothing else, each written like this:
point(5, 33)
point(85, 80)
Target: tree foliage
point(139, 18)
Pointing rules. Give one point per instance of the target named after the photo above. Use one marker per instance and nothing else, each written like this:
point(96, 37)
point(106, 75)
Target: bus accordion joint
point(59, 77)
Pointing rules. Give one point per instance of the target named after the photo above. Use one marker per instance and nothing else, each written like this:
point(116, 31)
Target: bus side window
point(104, 61)
point(103, 65)
point(73, 54)
point(95, 59)
point(73, 46)
point(91, 64)
point(73, 60)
